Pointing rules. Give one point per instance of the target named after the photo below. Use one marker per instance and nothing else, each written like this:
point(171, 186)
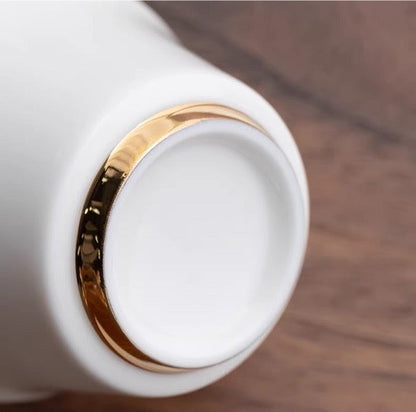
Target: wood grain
point(342, 75)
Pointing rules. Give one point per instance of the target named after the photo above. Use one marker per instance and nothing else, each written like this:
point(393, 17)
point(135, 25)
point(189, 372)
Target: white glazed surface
point(75, 79)
point(202, 244)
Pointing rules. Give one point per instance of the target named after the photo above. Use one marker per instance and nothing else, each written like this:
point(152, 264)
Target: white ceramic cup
point(154, 210)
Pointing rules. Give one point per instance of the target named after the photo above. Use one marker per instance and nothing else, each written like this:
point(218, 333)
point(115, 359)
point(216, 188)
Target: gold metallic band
point(105, 188)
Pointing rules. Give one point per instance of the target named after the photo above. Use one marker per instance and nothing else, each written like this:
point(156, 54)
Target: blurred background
point(343, 77)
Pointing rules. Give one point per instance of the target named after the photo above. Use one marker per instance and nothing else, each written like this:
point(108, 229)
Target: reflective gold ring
point(92, 228)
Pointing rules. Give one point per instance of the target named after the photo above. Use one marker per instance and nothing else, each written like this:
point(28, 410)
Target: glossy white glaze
point(202, 245)
point(74, 79)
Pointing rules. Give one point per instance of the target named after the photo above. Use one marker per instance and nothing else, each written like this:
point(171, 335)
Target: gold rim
point(92, 228)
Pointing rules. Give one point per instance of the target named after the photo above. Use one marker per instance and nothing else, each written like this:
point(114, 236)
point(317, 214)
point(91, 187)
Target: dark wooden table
point(343, 76)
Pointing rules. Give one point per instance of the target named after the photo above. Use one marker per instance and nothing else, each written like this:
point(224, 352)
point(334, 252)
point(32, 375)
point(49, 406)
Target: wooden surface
point(343, 76)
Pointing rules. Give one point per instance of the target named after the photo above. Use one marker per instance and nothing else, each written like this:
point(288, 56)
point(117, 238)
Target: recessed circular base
point(191, 240)
point(199, 243)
